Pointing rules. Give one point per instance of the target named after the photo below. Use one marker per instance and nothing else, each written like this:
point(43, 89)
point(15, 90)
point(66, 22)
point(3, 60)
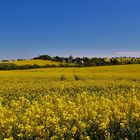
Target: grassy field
point(71, 103)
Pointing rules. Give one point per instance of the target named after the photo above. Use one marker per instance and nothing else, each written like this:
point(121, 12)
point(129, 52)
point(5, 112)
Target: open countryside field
point(71, 103)
point(32, 62)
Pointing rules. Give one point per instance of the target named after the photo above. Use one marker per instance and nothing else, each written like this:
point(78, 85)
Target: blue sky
point(69, 27)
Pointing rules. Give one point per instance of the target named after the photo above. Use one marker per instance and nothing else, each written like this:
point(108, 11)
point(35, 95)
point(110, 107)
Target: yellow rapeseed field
point(96, 103)
point(32, 62)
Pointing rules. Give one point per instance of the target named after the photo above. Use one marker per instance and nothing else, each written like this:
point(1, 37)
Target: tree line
point(70, 62)
point(94, 61)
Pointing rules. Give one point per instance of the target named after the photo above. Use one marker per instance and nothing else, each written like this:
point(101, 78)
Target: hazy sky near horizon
point(69, 27)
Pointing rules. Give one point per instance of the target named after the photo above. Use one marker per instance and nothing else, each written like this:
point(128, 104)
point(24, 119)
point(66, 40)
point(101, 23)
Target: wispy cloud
point(128, 53)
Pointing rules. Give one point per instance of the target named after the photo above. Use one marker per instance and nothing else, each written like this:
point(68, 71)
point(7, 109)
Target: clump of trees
point(84, 61)
point(94, 61)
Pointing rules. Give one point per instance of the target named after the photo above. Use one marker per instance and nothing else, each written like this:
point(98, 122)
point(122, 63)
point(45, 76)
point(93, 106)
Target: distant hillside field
point(47, 61)
point(32, 62)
